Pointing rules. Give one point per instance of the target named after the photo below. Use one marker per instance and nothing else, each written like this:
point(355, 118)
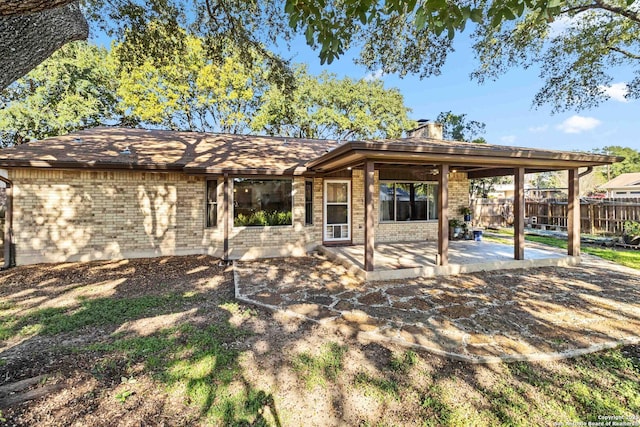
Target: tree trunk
point(20, 7)
point(27, 40)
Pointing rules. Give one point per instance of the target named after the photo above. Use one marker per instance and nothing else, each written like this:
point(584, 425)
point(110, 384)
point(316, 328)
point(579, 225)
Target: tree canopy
point(74, 89)
point(327, 107)
point(82, 86)
point(576, 42)
point(458, 128)
point(631, 162)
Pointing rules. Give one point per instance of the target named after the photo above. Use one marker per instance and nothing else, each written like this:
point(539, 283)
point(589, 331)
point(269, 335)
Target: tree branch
point(27, 40)
point(20, 7)
point(626, 53)
point(601, 5)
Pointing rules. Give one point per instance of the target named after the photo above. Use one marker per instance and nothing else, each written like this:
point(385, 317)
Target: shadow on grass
point(200, 364)
point(183, 340)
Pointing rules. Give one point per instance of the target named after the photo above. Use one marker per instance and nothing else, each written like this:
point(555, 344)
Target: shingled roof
point(193, 152)
point(121, 148)
point(624, 180)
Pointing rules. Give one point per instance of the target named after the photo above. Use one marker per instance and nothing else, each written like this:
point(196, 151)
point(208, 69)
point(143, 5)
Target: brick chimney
point(426, 129)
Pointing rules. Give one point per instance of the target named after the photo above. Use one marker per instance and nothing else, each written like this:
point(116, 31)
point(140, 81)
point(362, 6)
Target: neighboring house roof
point(624, 180)
point(192, 152)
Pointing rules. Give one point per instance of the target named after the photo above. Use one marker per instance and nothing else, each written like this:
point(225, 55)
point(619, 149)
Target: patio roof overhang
point(478, 160)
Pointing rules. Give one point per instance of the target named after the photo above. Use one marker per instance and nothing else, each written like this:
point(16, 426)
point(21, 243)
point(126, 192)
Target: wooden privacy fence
point(597, 216)
point(492, 212)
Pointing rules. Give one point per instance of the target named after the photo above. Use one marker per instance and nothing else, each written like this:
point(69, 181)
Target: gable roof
point(193, 152)
point(624, 180)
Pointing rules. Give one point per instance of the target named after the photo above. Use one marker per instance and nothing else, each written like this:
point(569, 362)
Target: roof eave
point(393, 152)
point(56, 164)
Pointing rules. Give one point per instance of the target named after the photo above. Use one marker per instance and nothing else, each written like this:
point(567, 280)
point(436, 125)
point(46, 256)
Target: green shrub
point(263, 218)
point(632, 228)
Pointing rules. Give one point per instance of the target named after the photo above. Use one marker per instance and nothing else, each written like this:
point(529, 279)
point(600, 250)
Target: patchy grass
point(379, 388)
point(198, 364)
point(316, 370)
point(404, 362)
point(628, 258)
point(90, 312)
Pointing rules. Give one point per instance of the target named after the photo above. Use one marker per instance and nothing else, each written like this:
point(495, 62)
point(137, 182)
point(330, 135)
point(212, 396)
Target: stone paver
point(534, 314)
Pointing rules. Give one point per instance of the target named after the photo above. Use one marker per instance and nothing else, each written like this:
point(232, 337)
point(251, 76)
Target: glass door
point(337, 210)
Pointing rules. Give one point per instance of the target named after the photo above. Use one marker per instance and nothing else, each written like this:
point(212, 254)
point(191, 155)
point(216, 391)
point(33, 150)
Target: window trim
point(395, 207)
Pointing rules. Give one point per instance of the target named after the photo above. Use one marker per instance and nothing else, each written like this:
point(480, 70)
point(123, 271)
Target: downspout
point(9, 246)
point(586, 172)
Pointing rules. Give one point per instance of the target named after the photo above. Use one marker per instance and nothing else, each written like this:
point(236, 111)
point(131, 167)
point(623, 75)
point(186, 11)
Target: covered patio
point(426, 156)
point(403, 260)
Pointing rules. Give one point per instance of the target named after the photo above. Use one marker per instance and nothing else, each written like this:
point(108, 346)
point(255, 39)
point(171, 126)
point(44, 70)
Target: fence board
point(597, 216)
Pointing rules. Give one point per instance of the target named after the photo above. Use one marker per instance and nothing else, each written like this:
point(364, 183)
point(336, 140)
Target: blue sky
point(504, 105)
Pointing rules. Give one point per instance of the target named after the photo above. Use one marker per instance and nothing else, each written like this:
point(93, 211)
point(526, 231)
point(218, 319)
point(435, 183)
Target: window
point(408, 201)
point(308, 202)
point(260, 202)
point(212, 203)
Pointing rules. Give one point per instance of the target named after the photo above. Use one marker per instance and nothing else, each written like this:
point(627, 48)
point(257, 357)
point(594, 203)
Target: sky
point(504, 105)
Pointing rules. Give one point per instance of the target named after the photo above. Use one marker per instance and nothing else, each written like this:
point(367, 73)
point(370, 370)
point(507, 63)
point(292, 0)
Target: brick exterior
point(84, 215)
point(62, 215)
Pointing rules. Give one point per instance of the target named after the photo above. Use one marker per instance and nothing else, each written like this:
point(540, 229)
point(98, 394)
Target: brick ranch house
point(109, 193)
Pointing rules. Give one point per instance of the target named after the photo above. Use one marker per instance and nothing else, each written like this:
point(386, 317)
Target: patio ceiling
point(478, 160)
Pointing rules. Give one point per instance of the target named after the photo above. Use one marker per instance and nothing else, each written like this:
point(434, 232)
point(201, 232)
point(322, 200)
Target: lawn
point(162, 342)
point(626, 257)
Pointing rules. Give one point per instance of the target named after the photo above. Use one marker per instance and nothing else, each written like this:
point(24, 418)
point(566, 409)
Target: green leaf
point(421, 18)
point(508, 14)
point(476, 15)
point(309, 36)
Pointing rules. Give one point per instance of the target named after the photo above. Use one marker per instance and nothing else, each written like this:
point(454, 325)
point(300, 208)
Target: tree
point(631, 162)
point(74, 89)
point(400, 36)
point(456, 127)
point(327, 107)
point(415, 37)
point(576, 52)
point(191, 92)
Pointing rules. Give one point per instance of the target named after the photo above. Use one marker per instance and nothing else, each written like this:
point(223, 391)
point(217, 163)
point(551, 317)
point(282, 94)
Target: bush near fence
point(597, 216)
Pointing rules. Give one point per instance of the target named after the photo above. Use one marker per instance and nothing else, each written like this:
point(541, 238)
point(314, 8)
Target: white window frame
point(324, 208)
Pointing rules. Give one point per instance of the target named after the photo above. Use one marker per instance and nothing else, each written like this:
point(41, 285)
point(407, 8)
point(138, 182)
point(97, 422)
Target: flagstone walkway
point(544, 313)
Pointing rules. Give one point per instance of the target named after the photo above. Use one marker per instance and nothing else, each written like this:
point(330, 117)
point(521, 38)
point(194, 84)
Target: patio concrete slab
point(544, 313)
point(418, 259)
